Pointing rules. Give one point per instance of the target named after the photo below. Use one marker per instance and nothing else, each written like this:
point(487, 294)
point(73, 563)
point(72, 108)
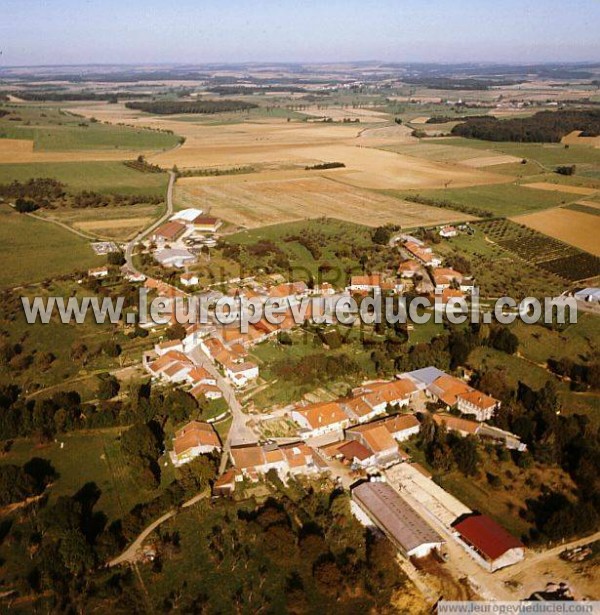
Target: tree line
point(169, 107)
point(543, 127)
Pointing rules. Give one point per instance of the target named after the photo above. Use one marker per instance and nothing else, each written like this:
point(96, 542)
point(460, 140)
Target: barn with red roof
point(489, 543)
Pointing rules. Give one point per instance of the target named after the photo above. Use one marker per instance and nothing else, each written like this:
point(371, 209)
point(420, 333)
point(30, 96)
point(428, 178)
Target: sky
point(34, 32)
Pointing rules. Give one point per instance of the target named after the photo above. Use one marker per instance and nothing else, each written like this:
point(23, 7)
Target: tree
point(175, 332)
point(108, 386)
point(116, 258)
point(465, 453)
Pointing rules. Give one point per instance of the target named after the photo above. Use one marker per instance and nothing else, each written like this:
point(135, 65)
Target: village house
point(454, 392)
point(408, 269)
point(189, 279)
point(364, 283)
point(98, 272)
point(376, 438)
point(162, 348)
point(320, 418)
point(448, 231)
point(242, 373)
point(423, 254)
point(463, 427)
point(251, 461)
point(482, 406)
point(194, 439)
point(445, 277)
point(401, 426)
point(208, 391)
point(172, 366)
point(355, 453)
point(130, 275)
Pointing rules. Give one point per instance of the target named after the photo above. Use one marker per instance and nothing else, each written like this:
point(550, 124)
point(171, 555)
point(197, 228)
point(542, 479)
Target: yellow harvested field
point(573, 227)
point(336, 114)
point(420, 120)
point(575, 138)
point(380, 169)
point(489, 161)
point(21, 150)
point(277, 143)
point(561, 188)
point(387, 134)
point(593, 204)
point(271, 198)
point(13, 149)
point(117, 229)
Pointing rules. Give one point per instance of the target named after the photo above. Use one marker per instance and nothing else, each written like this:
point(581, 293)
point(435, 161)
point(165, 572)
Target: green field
point(108, 177)
point(35, 250)
point(86, 457)
point(547, 154)
point(55, 130)
point(500, 199)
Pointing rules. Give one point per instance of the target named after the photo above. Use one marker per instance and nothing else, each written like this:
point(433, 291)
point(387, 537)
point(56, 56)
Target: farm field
point(112, 222)
point(86, 457)
point(576, 228)
point(107, 177)
point(277, 142)
point(272, 198)
point(547, 154)
point(47, 133)
point(499, 200)
point(561, 188)
point(543, 251)
point(34, 250)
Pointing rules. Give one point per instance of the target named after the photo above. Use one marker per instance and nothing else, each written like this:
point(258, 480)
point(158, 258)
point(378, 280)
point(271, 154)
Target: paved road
point(239, 433)
point(131, 554)
point(131, 245)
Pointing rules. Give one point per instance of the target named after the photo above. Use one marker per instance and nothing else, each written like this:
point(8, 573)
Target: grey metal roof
point(395, 516)
point(426, 375)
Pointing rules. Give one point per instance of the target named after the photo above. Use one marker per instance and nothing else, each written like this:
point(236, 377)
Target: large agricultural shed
point(488, 543)
point(428, 497)
point(394, 516)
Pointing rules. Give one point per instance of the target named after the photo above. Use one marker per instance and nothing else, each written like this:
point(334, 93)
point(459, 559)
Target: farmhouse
point(169, 231)
point(444, 278)
point(480, 405)
point(206, 224)
point(194, 439)
point(208, 391)
point(408, 269)
point(189, 279)
point(397, 393)
point(397, 519)
point(423, 254)
point(241, 374)
point(130, 275)
point(448, 231)
point(356, 454)
point(296, 458)
point(447, 388)
point(488, 543)
point(377, 439)
point(98, 272)
point(459, 425)
point(172, 366)
point(364, 283)
point(163, 347)
point(401, 426)
point(321, 418)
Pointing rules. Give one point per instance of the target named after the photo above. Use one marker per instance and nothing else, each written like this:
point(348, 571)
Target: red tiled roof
point(489, 538)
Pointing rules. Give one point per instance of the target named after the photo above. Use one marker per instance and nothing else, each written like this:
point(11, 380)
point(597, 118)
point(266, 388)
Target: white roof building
point(186, 215)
